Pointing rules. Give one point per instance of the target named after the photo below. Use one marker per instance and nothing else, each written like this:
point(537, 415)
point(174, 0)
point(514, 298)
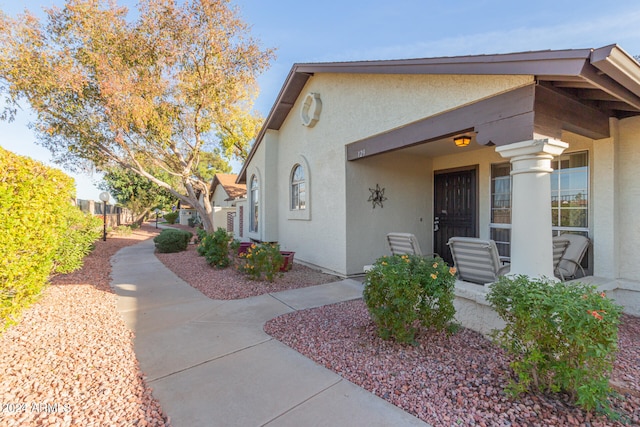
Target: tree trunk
point(205, 215)
point(141, 216)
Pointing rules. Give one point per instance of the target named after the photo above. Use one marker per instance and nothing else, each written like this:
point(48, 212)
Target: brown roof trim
point(513, 116)
point(228, 183)
point(621, 77)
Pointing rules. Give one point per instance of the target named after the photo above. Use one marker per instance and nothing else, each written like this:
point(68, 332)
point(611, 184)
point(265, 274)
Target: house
point(510, 147)
point(224, 195)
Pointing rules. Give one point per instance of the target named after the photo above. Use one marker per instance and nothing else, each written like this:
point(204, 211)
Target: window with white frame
point(569, 199)
point(298, 189)
point(500, 228)
point(253, 204)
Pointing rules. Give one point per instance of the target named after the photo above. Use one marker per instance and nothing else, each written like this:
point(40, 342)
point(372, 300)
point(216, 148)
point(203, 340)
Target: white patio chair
point(403, 243)
point(476, 260)
point(572, 257)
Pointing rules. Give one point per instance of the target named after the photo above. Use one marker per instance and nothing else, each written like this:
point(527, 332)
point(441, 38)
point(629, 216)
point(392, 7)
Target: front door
point(455, 208)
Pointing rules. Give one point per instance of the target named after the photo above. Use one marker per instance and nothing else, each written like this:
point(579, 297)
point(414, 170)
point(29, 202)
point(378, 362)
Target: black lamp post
point(104, 196)
point(157, 212)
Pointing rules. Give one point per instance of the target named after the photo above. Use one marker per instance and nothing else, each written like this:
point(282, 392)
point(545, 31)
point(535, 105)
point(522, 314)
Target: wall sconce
point(462, 141)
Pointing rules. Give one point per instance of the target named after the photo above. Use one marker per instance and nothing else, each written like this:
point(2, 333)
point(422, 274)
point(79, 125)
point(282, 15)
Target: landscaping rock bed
point(70, 359)
point(455, 380)
point(226, 284)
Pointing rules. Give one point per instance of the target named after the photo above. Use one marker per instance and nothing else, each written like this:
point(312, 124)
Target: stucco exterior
point(337, 192)
point(340, 230)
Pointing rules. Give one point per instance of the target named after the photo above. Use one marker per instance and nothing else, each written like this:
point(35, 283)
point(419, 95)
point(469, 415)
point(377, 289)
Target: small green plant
point(563, 337)
point(215, 247)
point(172, 240)
point(83, 230)
point(171, 217)
point(123, 230)
point(263, 259)
point(404, 291)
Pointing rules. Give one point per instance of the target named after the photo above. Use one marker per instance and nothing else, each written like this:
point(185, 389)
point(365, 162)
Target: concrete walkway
point(210, 363)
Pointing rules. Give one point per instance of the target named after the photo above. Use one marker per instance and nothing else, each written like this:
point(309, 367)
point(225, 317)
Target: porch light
point(462, 141)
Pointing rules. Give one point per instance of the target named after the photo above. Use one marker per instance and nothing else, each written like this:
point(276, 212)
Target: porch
point(474, 312)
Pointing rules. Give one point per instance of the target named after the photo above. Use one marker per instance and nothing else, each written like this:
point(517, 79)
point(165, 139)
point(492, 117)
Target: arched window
point(253, 203)
point(298, 189)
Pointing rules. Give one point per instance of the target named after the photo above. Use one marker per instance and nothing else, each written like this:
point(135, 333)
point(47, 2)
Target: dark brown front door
point(455, 208)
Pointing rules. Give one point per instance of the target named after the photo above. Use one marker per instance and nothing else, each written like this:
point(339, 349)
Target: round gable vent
point(310, 111)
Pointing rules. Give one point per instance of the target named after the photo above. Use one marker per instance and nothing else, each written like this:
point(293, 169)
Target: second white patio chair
point(476, 260)
point(570, 261)
point(403, 243)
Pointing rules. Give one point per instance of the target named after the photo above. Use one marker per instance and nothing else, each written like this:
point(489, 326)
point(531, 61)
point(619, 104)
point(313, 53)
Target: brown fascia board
point(287, 96)
point(619, 65)
point(562, 62)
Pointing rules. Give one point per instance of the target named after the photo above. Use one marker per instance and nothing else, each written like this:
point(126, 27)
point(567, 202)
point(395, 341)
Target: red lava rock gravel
point(70, 359)
point(227, 284)
point(453, 380)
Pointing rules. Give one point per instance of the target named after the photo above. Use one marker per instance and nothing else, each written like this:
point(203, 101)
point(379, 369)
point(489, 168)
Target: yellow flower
point(384, 263)
point(434, 276)
point(435, 265)
point(452, 271)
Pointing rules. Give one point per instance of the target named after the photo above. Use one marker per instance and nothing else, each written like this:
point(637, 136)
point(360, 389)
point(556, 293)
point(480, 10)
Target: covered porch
point(576, 106)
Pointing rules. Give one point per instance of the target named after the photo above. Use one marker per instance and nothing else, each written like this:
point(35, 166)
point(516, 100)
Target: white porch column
point(531, 245)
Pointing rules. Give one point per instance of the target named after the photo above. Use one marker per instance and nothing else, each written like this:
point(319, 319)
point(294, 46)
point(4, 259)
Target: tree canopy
point(155, 95)
point(136, 192)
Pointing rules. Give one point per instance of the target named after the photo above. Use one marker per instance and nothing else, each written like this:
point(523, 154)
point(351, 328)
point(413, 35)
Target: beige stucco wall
point(628, 185)
point(219, 197)
point(407, 183)
point(241, 228)
point(355, 107)
point(265, 167)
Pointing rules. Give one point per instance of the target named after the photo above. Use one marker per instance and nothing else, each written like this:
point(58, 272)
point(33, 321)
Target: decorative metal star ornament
point(377, 196)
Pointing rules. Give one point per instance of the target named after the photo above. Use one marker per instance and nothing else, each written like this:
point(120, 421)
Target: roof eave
point(619, 65)
point(574, 63)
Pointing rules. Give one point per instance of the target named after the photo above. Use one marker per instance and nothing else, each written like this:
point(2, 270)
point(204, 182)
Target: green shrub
point(404, 291)
point(37, 214)
point(261, 260)
point(215, 247)
point(83, 230)
point(172, 240)
point(563, 337)
point(122, 230)
point(171, 217)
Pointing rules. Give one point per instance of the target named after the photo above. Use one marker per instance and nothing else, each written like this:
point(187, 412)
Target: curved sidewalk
point(210, 363)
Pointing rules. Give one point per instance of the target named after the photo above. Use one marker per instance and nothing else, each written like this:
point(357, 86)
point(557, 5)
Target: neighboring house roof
point(228, 182)
point(605, 79)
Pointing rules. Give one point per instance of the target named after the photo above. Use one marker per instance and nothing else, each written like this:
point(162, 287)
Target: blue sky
point(350, 30)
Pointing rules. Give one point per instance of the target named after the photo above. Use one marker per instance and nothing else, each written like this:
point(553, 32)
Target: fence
point(116, 215)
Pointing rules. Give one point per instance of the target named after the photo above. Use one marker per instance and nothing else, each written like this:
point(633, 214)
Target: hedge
point(36, 219)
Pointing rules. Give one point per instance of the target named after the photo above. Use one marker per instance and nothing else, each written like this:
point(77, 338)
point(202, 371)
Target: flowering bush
point(214, 247)
point(262, 259)
point(563, 336)
point(404, 291)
